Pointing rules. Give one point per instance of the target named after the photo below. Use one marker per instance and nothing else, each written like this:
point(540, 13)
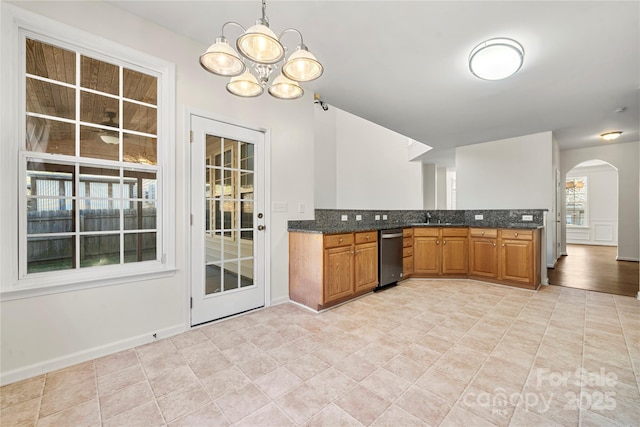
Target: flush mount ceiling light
point(496, 59)
point(610, 136)
point(263, 51)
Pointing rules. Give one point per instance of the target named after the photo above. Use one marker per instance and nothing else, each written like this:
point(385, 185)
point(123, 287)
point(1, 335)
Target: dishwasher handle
point(391, 236)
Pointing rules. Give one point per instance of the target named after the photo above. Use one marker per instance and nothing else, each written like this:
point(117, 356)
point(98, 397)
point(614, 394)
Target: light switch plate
point(384, 217)
point(479, 217)
point(301, 207)
point(344, 217)
point(358, 217)
point(527, 217)
point(279, 207)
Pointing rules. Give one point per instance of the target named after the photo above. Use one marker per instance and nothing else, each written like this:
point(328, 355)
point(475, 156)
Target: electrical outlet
point(527, 217)
point(479, 217)
point(301, 207)
point(384, 217)
point(279, 207)
point(358, 217)
point(344, 217)
point(377, 217)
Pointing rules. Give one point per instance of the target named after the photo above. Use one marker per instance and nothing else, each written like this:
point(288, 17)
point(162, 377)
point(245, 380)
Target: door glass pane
point(229, 210)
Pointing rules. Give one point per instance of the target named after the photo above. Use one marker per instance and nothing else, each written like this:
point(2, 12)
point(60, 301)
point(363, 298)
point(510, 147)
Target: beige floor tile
point(461, 363)
point(332, 416)
point(362, 404)
point(116, 362)
point(109, 383)
point(267, 416)
point(385, 384)
point(491, 407)
point(307, 366)
point(203, 350)
point(23, 413)
point(162, 365)
point(356, 367)
point(459, 417)
point(421, 354)
point(590, 419)
point(624, 413)
point(302, 403)
point(286, 353)
point(189, 338)
point(172, 380)
point(441, 384)
point(224, 340)
point(86, 414)
point(368, 333)
point(523, 418)
point(224, 381)
point(147, 415)
point(424, 405)
point(278, 382)
point(183, 401)
point(241, 402)
point(67, 397)
point(496, 374)
point(331, 383)
point(269, 341)
point(405, 367)
point(331, 354)
point(257, 366)
point(377, 352)
point(68, 377)
point(156, 349)
point(21, 391)
point(395, 416)
point(206, 365)
point(124, 399)
point(208, 415)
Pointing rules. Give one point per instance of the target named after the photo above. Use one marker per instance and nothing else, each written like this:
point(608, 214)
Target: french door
point(227, 224)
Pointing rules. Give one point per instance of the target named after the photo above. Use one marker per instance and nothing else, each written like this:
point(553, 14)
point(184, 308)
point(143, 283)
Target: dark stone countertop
point(349, 227)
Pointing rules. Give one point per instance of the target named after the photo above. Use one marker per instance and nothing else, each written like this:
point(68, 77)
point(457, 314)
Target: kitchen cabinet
point(440, 251)
point(407, 252)
point(326, 269)
point(483, 252)
point(519, 259)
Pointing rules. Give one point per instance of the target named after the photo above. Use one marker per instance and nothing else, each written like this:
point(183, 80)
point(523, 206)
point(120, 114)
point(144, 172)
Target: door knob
point(261, 227)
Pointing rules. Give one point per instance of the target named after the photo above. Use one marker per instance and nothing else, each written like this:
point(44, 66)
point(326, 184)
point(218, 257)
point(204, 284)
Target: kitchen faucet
point(428, 218)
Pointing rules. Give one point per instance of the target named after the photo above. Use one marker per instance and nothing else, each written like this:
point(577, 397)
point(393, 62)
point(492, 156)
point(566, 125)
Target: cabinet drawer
point(407, 252)
point(516, 234)
point(490, 233)
point(334, 240)
point(366, 237)
point(426, 232)
point(407, 242)
point(407, 232)
point(455, 232)
point(407, 265)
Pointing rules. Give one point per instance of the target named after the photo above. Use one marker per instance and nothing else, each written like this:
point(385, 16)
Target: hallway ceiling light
point(496, 59)
point(263, 50)
point(610, 136)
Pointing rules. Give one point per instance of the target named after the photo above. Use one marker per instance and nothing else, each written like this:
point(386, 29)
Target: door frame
point(186, 134)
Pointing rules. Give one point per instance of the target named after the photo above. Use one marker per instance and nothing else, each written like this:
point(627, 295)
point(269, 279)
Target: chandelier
point(263, 51)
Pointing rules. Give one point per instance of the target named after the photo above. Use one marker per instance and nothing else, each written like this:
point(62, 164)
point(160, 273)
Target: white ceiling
point(403, 64)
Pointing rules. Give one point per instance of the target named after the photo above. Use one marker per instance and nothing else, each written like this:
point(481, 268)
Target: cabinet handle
point(503, 245)
point(437, 242)
point(368, 237)
point(352, 252)
point(444, 242)
point(340, 241)
point(483, 233)
point(515, 234)
point(494, 245)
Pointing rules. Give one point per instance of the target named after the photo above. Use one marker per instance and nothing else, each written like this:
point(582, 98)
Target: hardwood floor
point(595, 268)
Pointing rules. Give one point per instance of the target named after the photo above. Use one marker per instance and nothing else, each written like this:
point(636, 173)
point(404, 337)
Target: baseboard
point(280, 300)
point(624, 258)
point(638, 296)
point(85, 355)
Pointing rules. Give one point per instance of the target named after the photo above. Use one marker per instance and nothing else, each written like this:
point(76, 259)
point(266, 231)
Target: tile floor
point(425, 353)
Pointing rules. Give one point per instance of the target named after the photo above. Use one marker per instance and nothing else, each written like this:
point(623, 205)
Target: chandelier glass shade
point(610, 136)
point(259, 53)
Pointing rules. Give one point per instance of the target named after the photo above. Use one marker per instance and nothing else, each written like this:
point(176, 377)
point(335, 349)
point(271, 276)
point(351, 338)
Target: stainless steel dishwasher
point(390, 258)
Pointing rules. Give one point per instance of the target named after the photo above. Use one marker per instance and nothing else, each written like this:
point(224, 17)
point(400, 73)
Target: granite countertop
point(349, 227)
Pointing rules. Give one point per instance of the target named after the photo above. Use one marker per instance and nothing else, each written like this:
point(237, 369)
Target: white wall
point(371, 165)
point(624, 157)
point(512, 173)
point(48, 332)
point(326, 175)
point(429, 186)
point(602, 206)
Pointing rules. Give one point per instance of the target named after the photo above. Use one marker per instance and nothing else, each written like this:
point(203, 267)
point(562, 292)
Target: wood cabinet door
point(483, 258)
point(426, 255)
point(454, 255)
point(338, 273)
point(366, 266)
point(407, 266)
point(517, 261)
